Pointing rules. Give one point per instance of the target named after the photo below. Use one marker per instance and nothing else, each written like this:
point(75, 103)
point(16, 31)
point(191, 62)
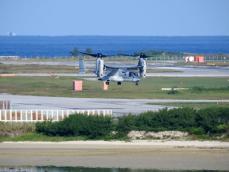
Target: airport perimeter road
point(118, 106)
point(173, 155)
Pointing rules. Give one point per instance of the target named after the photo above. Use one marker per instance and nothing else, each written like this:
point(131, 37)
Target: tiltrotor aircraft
point(119, 74)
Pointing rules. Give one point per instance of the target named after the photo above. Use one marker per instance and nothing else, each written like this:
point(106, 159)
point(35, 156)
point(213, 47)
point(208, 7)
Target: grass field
point(40, 137)
point(35, 68)
point(199, 105)
point(211, 88)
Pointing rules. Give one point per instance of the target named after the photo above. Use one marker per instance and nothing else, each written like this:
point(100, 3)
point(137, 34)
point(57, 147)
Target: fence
point(42, 115)
point(174, 59)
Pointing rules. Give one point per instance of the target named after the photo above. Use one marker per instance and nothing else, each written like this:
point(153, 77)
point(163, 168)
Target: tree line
point(209, 121)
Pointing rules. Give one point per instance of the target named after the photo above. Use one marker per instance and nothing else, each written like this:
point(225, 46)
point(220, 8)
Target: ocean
point(59, 46)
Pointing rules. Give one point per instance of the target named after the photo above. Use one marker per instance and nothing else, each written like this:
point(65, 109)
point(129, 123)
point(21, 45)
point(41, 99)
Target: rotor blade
point(131, 55)
point(94, 55)
point(141, 55)
point(90, 54)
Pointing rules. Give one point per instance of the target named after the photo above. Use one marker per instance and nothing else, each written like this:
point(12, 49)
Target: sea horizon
point(59, 46)
point(123, 35)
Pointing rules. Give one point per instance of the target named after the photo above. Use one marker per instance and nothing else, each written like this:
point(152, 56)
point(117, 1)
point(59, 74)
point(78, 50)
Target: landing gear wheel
point(136, 83)
point(119, 83)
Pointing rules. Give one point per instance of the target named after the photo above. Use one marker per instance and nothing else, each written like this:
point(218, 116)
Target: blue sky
point(115, 17)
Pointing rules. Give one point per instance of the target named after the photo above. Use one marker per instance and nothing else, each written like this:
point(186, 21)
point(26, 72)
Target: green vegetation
point(172, 91)
point(74, 52)
point(156, 56)
point(158, 70)
point(40, 137)
point(204, 122)
point(208, 123)
point(194, 105)
point(214, 88)
point(15, 129)
point(35, 68)
point(89, 50)
point(78, 125)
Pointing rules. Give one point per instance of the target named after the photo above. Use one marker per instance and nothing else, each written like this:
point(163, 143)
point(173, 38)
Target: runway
point(118, 106)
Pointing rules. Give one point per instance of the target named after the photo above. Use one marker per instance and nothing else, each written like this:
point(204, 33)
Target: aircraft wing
point(122, 67)
point(112, 72)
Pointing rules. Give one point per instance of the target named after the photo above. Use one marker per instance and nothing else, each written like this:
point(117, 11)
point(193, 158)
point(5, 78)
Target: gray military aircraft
point(119, 74)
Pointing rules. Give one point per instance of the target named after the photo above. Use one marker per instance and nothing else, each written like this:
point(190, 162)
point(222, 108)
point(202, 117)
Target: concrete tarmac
point(118, 106)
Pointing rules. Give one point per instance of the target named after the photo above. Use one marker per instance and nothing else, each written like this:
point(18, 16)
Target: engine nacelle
point(99, 70)
point(142, 67)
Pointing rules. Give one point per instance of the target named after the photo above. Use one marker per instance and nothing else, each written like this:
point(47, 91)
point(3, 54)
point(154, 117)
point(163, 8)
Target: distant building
point(189, 59)
point(198, 59)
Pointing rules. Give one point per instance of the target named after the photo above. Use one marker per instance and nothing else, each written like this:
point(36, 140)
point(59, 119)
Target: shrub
point(126, 123)
point(77, 125)
point(196, 131)
point(172, 91)
point(46, 127)
point(205, 121)
point(175, 119)
point(197, 89)
point(210, 119)
point(15, 129)
point(198, 122)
